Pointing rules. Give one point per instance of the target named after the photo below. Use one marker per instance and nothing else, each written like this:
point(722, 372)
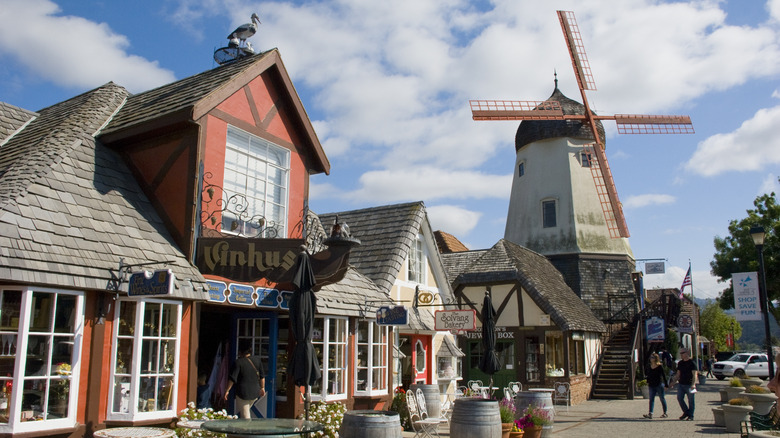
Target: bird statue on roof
point(245, 30)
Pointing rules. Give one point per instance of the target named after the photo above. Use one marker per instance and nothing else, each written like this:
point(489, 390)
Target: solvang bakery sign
point(247, 260)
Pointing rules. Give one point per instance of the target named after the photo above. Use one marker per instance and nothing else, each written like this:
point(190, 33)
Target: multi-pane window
point(548, 214)
point(417, 262)
point(420, 359)
point(585, 159)
point(41, 332)
point(145, 359)
point(577, 353)
point(371, 363)
point(255, 186)
point(330, 342)
point(521, 169)
point(554, 354)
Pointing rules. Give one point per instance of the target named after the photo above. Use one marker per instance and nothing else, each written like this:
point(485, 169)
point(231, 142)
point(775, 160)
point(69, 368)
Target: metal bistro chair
point(562, 393)
point(449, 403)
point(423, 408)
point(515, 387)
point(421, 425)
point(508, 394)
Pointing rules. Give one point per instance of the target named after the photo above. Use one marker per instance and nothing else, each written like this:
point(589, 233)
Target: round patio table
point(244, 428)
point(135, 432)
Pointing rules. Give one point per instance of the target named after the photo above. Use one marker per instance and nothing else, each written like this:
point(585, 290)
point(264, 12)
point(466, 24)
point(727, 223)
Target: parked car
point(741, 364)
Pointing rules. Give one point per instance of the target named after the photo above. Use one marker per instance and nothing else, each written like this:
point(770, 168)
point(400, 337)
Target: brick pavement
point(623, 418)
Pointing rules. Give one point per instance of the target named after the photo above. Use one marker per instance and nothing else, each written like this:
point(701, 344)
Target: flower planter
point(505, 429)
point(734, 391)
point(532, 432)
point(516, 434)
point(762, 403)
point(733, 415)
point(724, 395)
point(751, 381)
point(645, 390)
point(717, 415)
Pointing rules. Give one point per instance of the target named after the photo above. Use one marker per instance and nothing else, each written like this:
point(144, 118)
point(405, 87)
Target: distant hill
point(752, 331)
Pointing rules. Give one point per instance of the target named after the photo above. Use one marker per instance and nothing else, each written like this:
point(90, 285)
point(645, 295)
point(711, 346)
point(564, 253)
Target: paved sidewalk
point(623, 418)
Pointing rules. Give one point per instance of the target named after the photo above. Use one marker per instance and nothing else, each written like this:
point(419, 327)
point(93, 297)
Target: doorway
point(268, 338)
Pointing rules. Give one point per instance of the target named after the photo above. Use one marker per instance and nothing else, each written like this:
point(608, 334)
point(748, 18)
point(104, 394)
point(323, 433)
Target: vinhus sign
point(247, 260)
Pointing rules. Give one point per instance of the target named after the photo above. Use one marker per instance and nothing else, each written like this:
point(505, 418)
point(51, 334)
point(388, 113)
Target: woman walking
point(656, 381)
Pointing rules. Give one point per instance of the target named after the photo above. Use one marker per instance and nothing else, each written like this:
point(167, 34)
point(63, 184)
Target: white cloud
point(648, 199)
point(72, 51)
point(769, 184)
point(752, 146)
point(453, 219)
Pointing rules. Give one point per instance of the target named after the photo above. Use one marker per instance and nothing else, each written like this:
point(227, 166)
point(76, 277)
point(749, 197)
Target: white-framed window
point(145, 359)
point(371, 365)
point(420, 358)
point(416, 265)
point(549, 219)
point(330, 343)
point(41, 332)
point(256, 179)
point(521, 168)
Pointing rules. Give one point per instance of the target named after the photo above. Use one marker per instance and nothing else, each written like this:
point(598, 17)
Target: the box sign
point(461, 320)
point(655, 329)
point(392, 315)
point(247, 260)
point(248, 295)
point(145, 283)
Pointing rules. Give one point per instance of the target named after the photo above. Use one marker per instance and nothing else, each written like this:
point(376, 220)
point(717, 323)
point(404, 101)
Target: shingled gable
point(189, 99)
point(70, 208)
point(12, 120)
point(506, 262)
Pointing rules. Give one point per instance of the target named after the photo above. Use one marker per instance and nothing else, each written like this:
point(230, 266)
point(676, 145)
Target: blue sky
point(387, 85)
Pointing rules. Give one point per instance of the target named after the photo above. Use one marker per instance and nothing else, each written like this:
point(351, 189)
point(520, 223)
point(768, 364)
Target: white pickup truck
point(741, 364)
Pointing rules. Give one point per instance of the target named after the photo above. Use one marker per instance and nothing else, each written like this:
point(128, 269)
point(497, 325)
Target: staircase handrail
point(631, 366)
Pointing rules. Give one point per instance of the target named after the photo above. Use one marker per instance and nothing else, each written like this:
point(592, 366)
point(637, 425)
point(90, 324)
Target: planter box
point(733, 415)
point(724, 395)
point(717, 415)
point(733, 391)
point(751, 381)
point(762, 403)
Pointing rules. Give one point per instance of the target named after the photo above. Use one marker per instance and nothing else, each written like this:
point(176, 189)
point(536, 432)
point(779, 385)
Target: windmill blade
point(651, 124)
point(607, 192)
point(579, 59)
point(515, 110)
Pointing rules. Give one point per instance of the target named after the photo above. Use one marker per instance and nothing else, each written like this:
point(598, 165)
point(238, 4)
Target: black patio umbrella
point(303, 365)
point(488, 364)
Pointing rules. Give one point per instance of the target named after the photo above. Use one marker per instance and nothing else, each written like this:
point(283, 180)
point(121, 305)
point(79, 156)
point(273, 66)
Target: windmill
point(552, 110)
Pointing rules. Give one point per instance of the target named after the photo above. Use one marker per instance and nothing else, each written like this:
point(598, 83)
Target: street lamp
point(757, 233)
point(733, 341)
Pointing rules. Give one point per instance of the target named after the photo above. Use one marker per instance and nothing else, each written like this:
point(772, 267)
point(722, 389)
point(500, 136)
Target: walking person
point(656, 381)
point(710, 363)
point(249, 379)
point(686, 377)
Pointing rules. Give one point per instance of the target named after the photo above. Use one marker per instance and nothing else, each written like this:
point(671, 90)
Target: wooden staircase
point(612, 380)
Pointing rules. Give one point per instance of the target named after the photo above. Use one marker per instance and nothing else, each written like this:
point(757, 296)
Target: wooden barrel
point(475, 417)
point(370, 424)
point(540, 399)
point(432, 398)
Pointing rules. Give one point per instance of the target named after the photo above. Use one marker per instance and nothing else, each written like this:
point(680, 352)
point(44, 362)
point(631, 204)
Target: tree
point(715, 325)
point(737, 252)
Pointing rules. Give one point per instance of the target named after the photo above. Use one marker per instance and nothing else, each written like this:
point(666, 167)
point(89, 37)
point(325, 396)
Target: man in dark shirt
point(687, 375)
point(249, 379)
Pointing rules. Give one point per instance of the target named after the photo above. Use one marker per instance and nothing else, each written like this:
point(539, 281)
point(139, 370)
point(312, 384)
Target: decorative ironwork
point(216, 205)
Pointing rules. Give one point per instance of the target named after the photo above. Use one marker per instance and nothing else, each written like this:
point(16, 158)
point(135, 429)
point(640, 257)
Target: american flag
point(686, 281)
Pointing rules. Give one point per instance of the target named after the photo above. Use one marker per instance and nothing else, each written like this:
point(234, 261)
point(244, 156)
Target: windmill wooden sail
point(552, 110)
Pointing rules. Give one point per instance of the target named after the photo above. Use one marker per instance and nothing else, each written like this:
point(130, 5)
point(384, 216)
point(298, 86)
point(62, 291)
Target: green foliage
point(507, 409)
point(739, 401)
point(737, 252)
point(756, 389)
point(329, 415)
point(735, 382)
point(715, 325)
point(191, 413)
point(641, 383)
point(399, 405)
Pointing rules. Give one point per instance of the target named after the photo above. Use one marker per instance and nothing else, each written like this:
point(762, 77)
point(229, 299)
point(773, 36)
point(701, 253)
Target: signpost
point(455, 320)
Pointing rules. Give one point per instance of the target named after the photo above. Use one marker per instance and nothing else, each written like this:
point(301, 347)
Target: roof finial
point(555, 73)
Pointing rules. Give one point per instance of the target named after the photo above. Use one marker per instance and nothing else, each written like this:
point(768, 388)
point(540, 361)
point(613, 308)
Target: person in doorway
point(202, 400)
point(686, 377)
point(656, 382)
point(249, 379)
point(774, 384)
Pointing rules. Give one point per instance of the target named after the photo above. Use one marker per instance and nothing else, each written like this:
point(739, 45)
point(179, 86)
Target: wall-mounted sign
point(216, 291)
point(145, 283)
point(655, 329)
point(746, 298)
point(655, 268)
point(425, 297)
point(455, 320)
point(501, 333)
point(544, 319)
point(247, 260)
point(248, 295)
point(392, 315)
point(685, 324)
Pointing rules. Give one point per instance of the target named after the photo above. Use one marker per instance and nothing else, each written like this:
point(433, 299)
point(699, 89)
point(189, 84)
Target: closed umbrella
point(488, 364)
point(303, 364)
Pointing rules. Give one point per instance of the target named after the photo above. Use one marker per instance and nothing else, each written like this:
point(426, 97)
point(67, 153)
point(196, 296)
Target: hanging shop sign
point(655, 268)
point(145, 283)
point(392, 315)
point(654, 327)
point(461, 320)
point(746, 298)
point(685, 323)
point(248, 295)
point(247, 260)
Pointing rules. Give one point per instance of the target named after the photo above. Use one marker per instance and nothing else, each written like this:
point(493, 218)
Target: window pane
point(122, 394)
point(124, 356)
point(362, 331)
point(420, 360)
point(42, 307)
point(9, 313)
point(167, 352)
point(152, 319)
point(59, 394)
point(169, 321)
point(149, 356)
point(37, 356)
point(164, 393)
point(147, 394)
point(127, 318)
point(33, 393)
point(548, 211)
point(65, 316)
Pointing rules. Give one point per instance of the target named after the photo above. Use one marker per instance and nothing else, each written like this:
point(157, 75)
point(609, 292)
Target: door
point(261, 330)
point(505, 350)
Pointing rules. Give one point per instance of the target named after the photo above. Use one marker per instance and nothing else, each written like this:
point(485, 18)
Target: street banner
point(655, 329)
point(746, 298)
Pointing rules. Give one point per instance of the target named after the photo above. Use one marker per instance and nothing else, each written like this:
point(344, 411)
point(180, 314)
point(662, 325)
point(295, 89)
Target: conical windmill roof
point(530, 131)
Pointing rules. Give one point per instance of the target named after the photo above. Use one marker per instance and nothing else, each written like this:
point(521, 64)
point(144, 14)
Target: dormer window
point(416, 268)
point(256, 179)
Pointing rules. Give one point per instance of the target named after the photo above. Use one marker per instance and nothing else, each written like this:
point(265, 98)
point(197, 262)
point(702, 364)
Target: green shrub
point(756, 389)
point(399, 405)
point(329, 415)
point(735, 382)
point(739, 401)
point(641, 383)
point(191, 413)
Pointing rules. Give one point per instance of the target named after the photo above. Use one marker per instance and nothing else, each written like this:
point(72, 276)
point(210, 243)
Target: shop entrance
point(416, 366)
point(505, 350)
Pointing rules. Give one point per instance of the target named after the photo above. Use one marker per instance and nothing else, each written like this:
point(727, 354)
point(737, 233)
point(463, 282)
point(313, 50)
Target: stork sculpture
point(240, 35)
point(551, 110)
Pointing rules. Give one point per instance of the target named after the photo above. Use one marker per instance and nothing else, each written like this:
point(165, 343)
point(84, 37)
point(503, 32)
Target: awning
point(397, 353)
point(449, 349)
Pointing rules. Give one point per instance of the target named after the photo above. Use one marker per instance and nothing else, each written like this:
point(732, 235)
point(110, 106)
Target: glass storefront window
point(371, 363)
point(330, 343)
point(145, 360)
point(554, 354)
point(449, 367)
point(576, 355)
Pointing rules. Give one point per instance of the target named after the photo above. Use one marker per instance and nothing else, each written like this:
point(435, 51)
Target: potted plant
point(399, 405)
point(735, 412)
point(533, 420)
point(748, 381)
point(761, 398)
point(516, 431)
point(735, 388)
point(643, 388)
point(191, 418)
point(717, 416)
point(507, 410)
